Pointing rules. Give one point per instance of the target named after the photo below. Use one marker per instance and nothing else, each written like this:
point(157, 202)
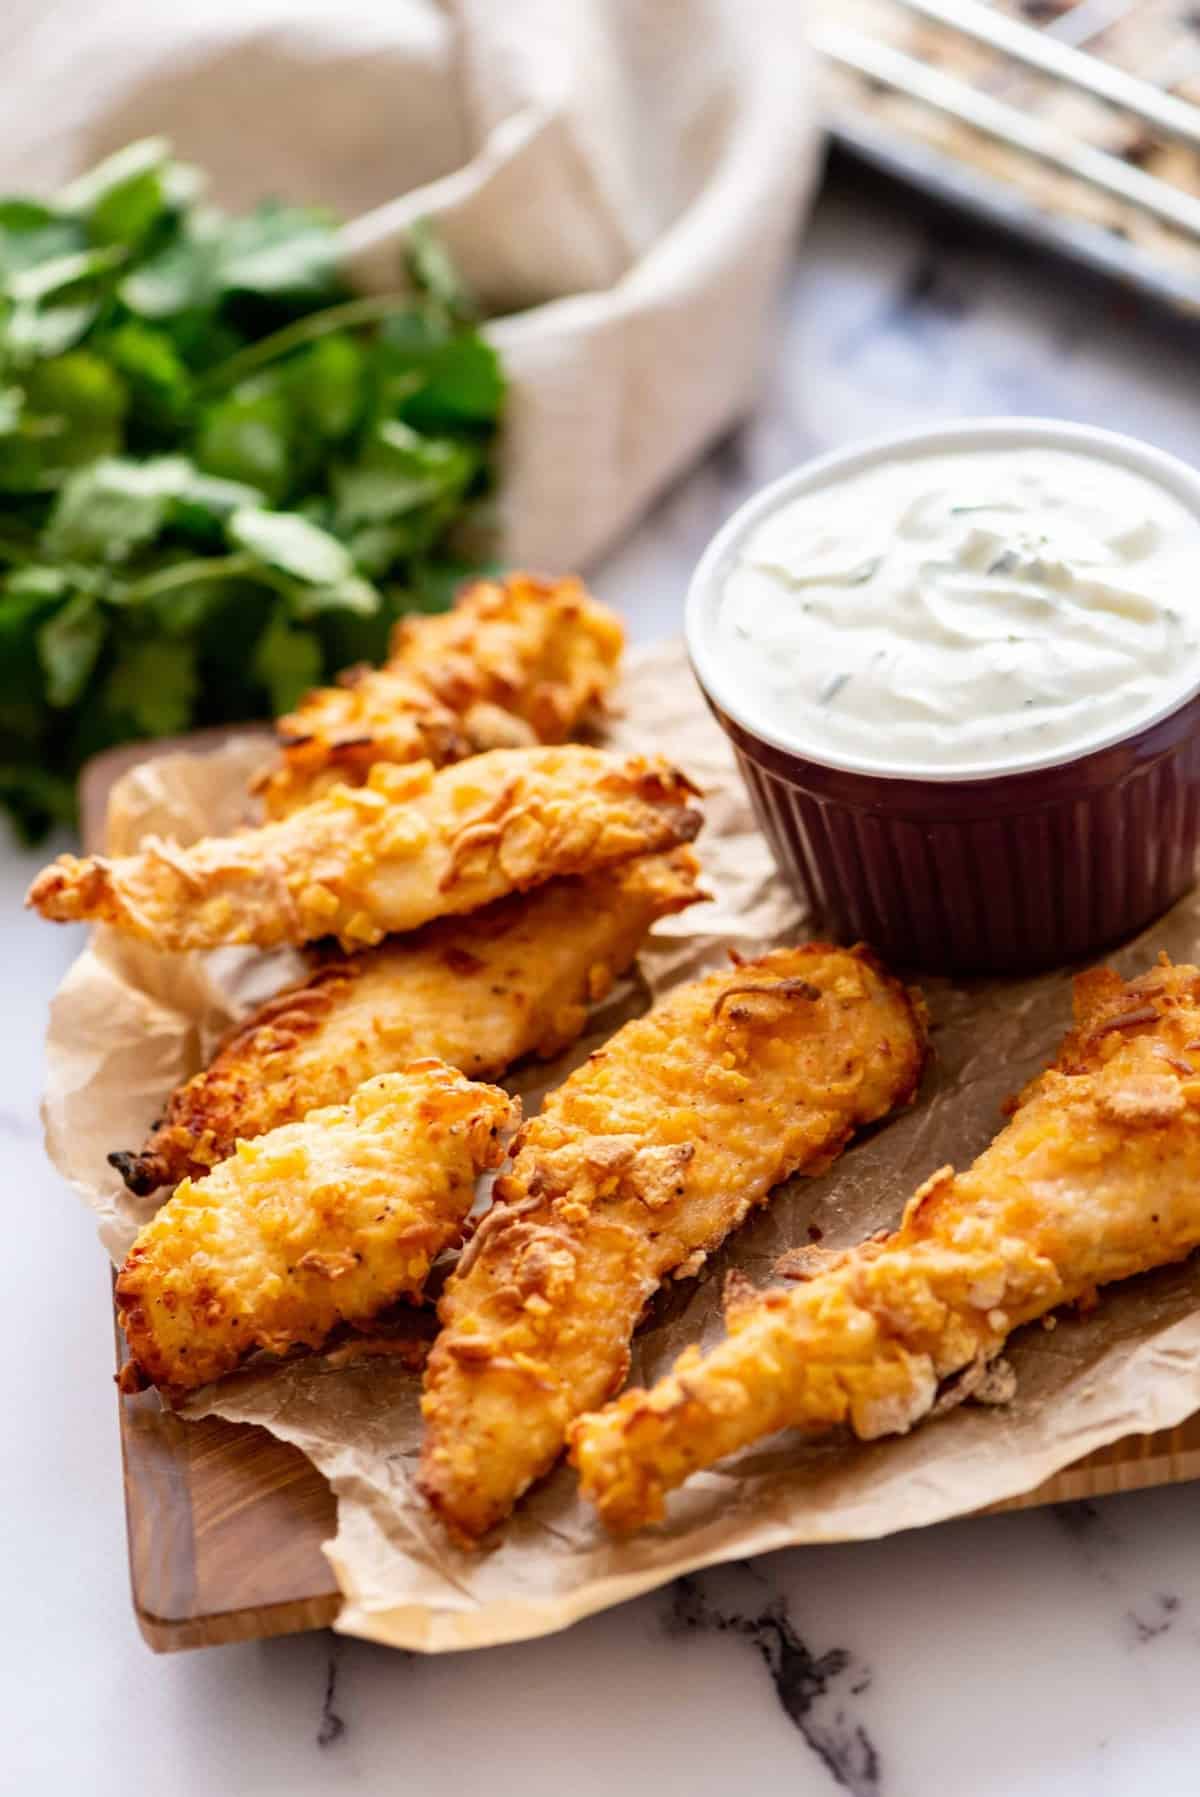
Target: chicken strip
point(1097, 1177)
point(639, 1165)
point(516, 661)
point(478, 992)
point(338, 733)
point(409, 846)
point(322, 1222)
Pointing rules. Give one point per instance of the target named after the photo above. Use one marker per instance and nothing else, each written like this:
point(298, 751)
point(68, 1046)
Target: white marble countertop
point(1052, 1651)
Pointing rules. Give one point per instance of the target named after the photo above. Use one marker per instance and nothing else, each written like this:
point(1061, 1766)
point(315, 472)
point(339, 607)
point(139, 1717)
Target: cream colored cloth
point(625, 176)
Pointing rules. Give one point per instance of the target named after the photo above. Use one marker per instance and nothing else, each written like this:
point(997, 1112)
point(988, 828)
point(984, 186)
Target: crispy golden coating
point(319, 1223)
point(367, 861)
point(1097, 1177)
point(641, 1163)
point(478, 992)
point(340, 732)
point(516, 661)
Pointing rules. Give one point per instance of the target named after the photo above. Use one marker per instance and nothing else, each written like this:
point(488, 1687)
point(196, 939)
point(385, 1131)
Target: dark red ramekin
point(999, 875)
point(1007, 872)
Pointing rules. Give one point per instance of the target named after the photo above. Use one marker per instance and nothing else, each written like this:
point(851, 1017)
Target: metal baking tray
point(1080, 134)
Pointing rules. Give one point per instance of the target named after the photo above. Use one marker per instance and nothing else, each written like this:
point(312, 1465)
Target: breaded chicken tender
point(410, 846)
point(1096, 1178)
point(478, 992)
point(322, 1222)
point(516, 661)
point(640, 1164)
point(340, 732)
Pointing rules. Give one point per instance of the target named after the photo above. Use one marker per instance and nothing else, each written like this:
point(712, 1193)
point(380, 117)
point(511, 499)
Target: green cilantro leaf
point(287, 661)
point(112, 506)
point(31, 233)
point(154, 683)
point(327, 385)
point(180, 278)
point(246, 438)
point(460, 377)
point(222, 475)
point(158, 380)
point(80, 403)
point(434, 275)
point(275, 250)
point(398, 471)
point(69, 646)
point(286, 541)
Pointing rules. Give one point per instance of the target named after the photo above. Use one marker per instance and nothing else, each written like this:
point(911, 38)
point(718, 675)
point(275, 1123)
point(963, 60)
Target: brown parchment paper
point(127, 1023)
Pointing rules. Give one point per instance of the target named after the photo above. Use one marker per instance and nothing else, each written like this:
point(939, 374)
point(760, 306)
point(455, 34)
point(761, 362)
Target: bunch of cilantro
point(222, 476)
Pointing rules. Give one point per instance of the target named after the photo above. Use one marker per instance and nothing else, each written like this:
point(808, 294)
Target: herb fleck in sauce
point(969, 611)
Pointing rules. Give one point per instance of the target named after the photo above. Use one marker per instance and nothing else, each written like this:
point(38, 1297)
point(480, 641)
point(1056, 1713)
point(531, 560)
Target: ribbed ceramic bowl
point(1005, 872)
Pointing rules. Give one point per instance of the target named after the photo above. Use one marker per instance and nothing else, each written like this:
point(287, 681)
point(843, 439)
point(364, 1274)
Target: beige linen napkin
point(623, 177)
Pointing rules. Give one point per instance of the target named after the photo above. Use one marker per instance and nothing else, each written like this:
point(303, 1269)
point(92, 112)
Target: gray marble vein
point(816, 1690)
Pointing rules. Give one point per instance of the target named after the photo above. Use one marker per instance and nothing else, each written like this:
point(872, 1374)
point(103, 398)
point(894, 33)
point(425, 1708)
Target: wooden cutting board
point(225, 1523)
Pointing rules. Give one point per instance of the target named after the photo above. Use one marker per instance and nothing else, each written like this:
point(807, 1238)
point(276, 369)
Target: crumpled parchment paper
point(127, 1023)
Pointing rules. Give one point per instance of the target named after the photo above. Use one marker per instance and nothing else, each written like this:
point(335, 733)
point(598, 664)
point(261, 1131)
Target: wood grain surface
point(225, 1523)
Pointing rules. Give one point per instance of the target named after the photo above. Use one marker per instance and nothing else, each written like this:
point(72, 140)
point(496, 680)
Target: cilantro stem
point(182, 574)
point(347, 316)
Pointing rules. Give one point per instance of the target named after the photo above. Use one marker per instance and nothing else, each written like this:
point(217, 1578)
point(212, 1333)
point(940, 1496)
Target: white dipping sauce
point(965, 612)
